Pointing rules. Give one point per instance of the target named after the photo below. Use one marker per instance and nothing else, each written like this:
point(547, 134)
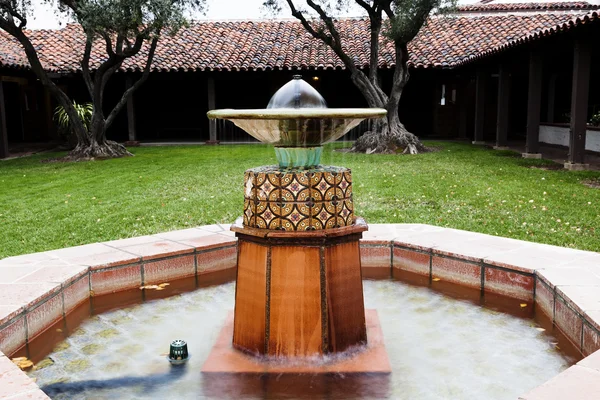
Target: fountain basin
point(512, 268)
point(298, 133)
point(435, 358)
point(297, 127)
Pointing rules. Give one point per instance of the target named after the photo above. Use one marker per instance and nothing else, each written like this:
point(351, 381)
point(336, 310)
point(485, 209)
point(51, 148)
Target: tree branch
point(376, 23)
point(401, 74)
point(85, 63)
point(137, 46)
point(146, 72)
point(300, 16)
point(328, 22)
point(119, 45)
point(15, 14)
point(366, 6)
point(387, 8)
point(109, 49)
point(374, 94)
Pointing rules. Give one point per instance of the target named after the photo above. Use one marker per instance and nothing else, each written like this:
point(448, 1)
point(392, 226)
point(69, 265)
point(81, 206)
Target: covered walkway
point(559, 155)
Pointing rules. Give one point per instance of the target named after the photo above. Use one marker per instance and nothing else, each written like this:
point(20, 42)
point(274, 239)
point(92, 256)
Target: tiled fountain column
point(38, 289)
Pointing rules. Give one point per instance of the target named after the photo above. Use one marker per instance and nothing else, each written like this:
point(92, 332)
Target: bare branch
point(316, 34)
point(328, 22)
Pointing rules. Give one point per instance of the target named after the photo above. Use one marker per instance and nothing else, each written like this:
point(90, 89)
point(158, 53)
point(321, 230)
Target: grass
point(46, 206)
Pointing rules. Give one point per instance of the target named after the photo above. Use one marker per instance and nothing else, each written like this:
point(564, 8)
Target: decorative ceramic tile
point(323, 217)
point(267, 187)
point(248, 212)
point(291, 200)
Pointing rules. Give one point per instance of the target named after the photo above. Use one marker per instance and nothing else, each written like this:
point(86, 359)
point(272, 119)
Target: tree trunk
point(388, 135)
point(97, 146)
point(97, 150)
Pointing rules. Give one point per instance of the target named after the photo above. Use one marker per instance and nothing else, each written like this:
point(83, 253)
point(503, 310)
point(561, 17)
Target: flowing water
point(439, 348)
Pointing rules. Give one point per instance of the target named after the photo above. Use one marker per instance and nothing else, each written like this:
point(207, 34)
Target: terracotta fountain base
point(229, 372)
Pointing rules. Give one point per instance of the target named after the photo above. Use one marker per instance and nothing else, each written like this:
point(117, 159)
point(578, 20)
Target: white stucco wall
point(560, 135)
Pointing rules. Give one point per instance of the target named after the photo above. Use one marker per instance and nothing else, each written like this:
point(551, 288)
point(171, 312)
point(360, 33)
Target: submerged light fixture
point(178, 352)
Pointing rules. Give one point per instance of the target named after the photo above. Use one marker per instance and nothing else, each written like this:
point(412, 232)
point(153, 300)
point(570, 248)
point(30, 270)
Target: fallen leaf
point(149, 287)
point(22, 362)
point(541, 329)
point(435, 279)
point(160, 288)
point(59, 330)
point(523, 305)
point(163, 284)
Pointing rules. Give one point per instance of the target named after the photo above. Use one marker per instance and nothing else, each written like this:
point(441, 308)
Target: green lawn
point(47, 206)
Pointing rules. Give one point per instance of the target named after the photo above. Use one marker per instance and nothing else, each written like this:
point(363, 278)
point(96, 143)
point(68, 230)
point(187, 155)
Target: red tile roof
point(565, 5)
point(545, 30)
point(444, 42)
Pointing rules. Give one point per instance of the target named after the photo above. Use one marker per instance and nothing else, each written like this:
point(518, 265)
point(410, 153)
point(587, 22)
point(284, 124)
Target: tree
point(122, 30)
point(398, 21)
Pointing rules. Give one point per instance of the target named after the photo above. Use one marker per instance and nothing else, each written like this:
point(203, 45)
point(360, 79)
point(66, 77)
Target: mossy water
point(439, 347)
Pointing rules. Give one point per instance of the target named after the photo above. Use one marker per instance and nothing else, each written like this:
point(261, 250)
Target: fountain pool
point(439, 347)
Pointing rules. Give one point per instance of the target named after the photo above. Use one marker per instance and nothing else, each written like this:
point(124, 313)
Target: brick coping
point(38, 290)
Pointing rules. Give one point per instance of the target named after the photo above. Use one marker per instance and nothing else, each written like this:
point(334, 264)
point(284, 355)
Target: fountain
point(299, 286)
point(299, 328)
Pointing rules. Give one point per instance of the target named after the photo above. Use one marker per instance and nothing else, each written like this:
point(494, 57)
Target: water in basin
point(439, 348)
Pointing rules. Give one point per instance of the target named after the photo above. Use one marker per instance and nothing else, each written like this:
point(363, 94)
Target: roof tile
point(443, 42)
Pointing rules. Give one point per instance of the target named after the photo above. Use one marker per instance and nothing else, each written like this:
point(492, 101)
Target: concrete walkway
point(557, 154)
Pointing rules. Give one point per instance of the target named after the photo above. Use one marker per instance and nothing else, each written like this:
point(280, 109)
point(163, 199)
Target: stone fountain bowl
point(298, 127)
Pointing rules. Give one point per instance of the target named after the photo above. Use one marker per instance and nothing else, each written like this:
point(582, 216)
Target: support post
point(503, 102)
point(130, 115)
point(3, 131)
point(579, 105)
point(463, 103)
point(480, 84)
point(551, 97)
point(212, 123)
point(534, 98)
